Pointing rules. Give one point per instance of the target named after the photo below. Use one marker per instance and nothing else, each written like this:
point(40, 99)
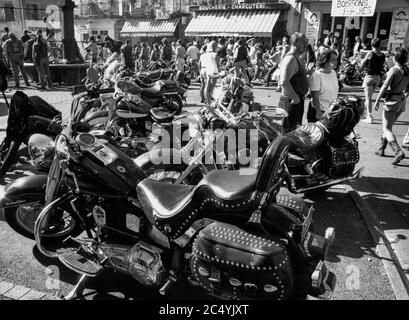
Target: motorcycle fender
point(23, 190)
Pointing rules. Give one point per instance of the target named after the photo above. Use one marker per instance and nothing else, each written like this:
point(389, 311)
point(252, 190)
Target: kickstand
point(74, 292)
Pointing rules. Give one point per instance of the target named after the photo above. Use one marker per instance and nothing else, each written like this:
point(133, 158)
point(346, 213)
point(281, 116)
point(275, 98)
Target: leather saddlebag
point(231, 263)
point(340, 162)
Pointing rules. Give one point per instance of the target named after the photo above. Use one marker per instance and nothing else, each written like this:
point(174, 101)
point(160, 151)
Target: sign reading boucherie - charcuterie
point(353, 8)
point(242, 6)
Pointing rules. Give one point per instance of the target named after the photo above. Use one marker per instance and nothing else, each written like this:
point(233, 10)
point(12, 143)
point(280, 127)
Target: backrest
point(272, 165)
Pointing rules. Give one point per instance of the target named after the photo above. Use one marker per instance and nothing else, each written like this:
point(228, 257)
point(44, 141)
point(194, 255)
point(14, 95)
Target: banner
point(400, 25)
point(353, 8)
point(313, 24)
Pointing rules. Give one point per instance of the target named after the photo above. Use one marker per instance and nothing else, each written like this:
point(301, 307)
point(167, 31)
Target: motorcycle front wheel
point(22, 220)
point(175, 105)
point(8, 155)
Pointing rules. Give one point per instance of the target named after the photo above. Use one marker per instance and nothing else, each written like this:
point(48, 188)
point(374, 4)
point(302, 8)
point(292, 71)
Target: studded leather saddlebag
point(340, 162)
point(231, 263)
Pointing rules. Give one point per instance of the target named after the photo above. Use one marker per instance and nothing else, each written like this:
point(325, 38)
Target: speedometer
point(86, 140)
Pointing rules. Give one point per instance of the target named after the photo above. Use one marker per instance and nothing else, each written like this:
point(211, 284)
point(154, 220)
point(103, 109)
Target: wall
point(95, 24)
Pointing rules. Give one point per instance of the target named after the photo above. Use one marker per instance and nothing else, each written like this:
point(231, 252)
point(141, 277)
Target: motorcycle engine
point(142, 261)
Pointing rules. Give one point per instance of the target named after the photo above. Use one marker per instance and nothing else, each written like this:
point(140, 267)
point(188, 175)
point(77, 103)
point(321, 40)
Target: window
point(32, 12)
point(384, 28)
point(325, 25)
point(368, 29)
point(7, 13)
point(103, 33)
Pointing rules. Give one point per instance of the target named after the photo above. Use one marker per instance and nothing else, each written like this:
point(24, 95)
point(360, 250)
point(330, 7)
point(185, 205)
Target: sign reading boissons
point(353, 8)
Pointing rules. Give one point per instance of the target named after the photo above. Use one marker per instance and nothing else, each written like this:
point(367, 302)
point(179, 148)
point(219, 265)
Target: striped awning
point(239, 23)
point(150, 27)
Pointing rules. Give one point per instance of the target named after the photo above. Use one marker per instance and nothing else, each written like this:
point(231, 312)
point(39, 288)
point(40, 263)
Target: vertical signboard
point(313, 24)
point(399, 27)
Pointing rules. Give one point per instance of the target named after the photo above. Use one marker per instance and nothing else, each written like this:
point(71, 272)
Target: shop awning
point(238, 23)
point(149, 27)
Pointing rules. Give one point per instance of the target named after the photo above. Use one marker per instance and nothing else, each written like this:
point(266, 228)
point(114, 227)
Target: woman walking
point(323, 85)
point(373, 63)
point(397, 81)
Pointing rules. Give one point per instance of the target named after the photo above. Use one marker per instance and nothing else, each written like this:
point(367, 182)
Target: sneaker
point(368, 119)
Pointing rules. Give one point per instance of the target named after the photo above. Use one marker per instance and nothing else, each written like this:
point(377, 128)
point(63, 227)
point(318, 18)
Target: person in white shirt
point(193, 52)
point(323, 85)
point(210, 62)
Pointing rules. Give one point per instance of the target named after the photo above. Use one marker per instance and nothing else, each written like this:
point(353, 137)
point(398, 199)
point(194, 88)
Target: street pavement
point(364, 269)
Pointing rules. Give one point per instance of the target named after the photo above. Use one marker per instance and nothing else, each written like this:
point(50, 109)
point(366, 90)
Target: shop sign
point(400, 25)
point(313, 24)
point(162, 15)
point(240, 6)
point(353, 8)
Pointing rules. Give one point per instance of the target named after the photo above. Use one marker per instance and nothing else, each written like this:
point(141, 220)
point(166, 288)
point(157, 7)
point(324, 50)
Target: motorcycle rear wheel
point(175, 105)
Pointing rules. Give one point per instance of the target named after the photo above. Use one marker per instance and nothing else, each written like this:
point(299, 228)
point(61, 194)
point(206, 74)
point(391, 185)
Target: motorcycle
point(160, 70)
point(27, 116)
point(24, 198)
point(350, 71)
point(324, 154)
point(139, 111)
point(134, 227)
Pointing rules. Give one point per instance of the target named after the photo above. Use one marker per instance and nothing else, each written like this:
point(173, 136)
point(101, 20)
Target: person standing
point(180, 54)
point(202, 77)
point(6, 35)
point(155, 54)
point(294, 83)
point(329, 39)
point(241, 59)
point(210, 62)
point(14, 49)
point(40, 58)
point(144, 56)
point(397, 81)
point(347, 49)
point(373, 64)
point(222, 51)
point(127, 56)
point(323, 85)
point(276, 59)
point(93, 48)
point(357, 47)
point(26, 36)
point(166, 52)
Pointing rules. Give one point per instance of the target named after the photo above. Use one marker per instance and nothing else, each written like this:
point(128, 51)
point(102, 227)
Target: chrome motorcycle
point(232, 236)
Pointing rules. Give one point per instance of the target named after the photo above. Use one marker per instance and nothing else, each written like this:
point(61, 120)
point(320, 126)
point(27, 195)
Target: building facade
point(19, 15)
point(389, 23)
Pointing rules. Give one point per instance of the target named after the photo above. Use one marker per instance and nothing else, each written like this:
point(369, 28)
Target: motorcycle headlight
point(61, 147)
point(41, 150)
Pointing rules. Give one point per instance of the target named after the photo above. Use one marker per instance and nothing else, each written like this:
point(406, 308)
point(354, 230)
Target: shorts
point(371, 81)
point(395, 109)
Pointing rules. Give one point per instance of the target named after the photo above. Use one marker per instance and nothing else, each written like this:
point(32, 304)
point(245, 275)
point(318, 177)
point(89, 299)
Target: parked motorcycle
point(160, 70)
point(135, 227)
point(27, 116)
point(350, 71)
point(324, 154)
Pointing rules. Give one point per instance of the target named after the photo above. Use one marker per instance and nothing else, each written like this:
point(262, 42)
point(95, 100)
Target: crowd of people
point(36, 48)
point(322, 83)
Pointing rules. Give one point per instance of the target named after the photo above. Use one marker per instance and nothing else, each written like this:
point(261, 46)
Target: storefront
point(389, 22)
point(152, 30)
point(265, 21)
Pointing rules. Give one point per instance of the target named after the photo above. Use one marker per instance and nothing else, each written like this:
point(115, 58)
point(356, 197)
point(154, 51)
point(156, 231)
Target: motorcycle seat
point(175, 205)
point(172, 208)
point(306, 137)
point(161, 115)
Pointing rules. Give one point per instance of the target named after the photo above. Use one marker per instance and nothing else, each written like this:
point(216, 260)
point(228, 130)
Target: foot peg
point(77, 262)
point(323, 282)
point(168, 285)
